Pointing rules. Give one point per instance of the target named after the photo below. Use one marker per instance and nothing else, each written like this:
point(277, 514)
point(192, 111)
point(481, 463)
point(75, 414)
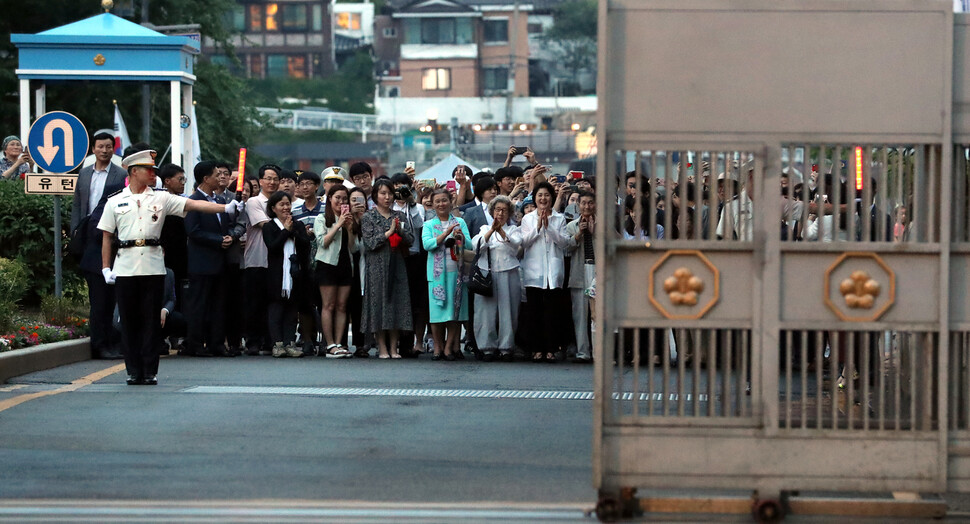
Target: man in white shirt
point(255, 259)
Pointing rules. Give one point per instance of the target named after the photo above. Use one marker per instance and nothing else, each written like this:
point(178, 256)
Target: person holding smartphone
point(405, 201)
point(337, 237)
point(387, 301)
point(362, 341)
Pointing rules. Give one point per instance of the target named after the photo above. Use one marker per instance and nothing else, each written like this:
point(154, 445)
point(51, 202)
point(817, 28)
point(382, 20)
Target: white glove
point(109, 276)
point(234, 207)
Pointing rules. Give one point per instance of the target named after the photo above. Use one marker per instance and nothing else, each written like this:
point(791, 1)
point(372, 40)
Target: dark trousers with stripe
point(140, 307)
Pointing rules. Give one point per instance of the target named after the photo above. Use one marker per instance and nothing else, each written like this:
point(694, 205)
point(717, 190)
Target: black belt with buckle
point(141, 242)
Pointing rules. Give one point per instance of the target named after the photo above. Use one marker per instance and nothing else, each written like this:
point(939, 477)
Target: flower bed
point(29, 333)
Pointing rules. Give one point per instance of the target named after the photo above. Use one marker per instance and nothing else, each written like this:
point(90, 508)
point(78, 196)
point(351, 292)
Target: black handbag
point(480, 282)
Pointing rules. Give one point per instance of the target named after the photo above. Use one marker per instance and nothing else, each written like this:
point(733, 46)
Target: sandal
point(338, 351)
point(537, 357)
point(550, 358)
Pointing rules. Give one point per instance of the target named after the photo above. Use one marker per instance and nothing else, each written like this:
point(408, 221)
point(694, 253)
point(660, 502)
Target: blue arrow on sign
point(58, 142)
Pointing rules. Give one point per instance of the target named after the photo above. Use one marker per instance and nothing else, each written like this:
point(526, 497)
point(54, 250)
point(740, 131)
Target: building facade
point(280, 39)
point(447, 48)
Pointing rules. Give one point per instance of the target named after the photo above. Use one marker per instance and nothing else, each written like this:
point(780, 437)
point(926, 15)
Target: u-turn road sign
point(58, 142)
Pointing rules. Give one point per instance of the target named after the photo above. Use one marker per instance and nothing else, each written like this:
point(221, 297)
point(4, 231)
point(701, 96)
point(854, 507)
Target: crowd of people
point(499, 265)
point(342, 265)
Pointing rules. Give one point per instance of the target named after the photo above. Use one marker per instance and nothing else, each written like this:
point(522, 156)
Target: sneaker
point(279, 350)
point(291, 351)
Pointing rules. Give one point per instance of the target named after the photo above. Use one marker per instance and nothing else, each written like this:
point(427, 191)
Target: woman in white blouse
point(544, 238)
point(497, 317)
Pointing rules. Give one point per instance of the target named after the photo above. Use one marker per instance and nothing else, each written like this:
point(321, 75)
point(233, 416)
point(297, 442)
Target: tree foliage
point(574, 20)
point(225, 113)
point(349, 90)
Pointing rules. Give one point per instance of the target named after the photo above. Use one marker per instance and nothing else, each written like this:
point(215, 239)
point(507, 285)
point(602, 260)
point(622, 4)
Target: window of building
point(534, 28)
point(228, 63)
point(236, 18)
point(389, 32)
point(294, 17)
point(436, 79)
point(349, 21)
point(317, 17)
point(255, 17)
point(275, 66)
point(286, 66)
point(495, 78)
point(270, 21)
point(438, 31)
point(496, 30)
point(296, 66)
point(255, 66)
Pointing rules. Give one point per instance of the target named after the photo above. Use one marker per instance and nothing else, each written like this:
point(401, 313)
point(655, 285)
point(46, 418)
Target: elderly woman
point(387, 302)
point(445, 237)
point(15, 161)
point(287, 243)
point(544, 238)
point(496, 317)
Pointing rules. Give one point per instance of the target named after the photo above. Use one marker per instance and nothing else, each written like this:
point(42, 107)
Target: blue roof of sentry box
point(105, 47)
point(105, 24)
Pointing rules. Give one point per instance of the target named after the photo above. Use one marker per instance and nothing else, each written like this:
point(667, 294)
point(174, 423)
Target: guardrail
point(313, 120)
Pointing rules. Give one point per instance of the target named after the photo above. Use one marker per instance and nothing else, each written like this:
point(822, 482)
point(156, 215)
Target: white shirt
point(542, 263)
point(98, 179)
point(504, 253)
point(742, 219)
point(140, 217)
point(488, 216)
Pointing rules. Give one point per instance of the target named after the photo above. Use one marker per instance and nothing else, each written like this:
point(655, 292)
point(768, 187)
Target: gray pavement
point(109, 440)
point(256, 439)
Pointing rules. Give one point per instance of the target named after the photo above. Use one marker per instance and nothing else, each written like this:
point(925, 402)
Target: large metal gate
point(803, 324)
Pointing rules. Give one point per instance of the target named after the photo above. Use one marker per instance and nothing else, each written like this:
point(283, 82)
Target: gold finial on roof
point(107, 5)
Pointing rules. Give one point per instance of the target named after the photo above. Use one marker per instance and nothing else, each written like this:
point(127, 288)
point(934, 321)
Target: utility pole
point(513, 43)
point(146, 92)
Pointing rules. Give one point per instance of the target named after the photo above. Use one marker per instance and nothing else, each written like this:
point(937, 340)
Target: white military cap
point(144, 158)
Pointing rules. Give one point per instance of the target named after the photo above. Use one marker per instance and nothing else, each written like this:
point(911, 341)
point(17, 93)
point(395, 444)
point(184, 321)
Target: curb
point(45, 356)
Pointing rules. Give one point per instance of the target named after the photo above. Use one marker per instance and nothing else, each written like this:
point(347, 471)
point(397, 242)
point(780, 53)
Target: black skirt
point(341, 274)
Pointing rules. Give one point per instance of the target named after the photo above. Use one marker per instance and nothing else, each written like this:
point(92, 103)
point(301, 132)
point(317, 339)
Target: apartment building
point(453, 49)
point(280, 39)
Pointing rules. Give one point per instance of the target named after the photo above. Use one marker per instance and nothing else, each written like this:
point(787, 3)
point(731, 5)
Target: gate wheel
point(768, 511)
point(608, 509)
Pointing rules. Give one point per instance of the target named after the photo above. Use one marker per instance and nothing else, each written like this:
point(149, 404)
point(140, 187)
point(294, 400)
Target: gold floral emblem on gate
point(683, 287)
point(99, 59)
point(869, 289)
point(690, 291)
point(859, 290)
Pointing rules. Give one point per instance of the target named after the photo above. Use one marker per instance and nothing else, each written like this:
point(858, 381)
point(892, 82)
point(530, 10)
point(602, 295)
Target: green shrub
point(13, 279)
point(60, 311)
point(27, 234)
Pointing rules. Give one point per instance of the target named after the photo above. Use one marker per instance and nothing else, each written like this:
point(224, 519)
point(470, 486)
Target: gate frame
point(766, 247)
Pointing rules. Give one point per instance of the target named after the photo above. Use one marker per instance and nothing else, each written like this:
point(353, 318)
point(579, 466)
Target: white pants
point(497, 316)
point(581, 322)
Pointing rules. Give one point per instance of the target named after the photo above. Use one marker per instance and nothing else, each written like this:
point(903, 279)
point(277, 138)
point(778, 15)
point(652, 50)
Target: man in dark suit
point(94, 184)
point(92, 180)
point(477, 215)
point(208, 241)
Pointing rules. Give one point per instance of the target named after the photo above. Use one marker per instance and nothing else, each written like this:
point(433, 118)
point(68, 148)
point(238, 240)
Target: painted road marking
point(286, 511)
point(435, 393)
point(73, 386)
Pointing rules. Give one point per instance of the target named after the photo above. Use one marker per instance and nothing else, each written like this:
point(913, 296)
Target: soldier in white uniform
point(135, 215)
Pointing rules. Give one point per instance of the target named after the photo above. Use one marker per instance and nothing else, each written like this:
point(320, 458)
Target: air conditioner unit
point(487, 116)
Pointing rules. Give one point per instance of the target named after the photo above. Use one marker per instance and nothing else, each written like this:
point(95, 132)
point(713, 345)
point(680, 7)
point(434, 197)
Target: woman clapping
point(497, 316)
point(543, 239)
point(387, 304)
point(445, 238)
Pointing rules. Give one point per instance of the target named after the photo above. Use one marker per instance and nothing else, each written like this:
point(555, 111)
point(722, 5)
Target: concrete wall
point(474, 110)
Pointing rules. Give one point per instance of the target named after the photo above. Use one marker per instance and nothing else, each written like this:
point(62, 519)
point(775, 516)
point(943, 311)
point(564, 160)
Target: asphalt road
point(256, 439)
point(257, 429)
